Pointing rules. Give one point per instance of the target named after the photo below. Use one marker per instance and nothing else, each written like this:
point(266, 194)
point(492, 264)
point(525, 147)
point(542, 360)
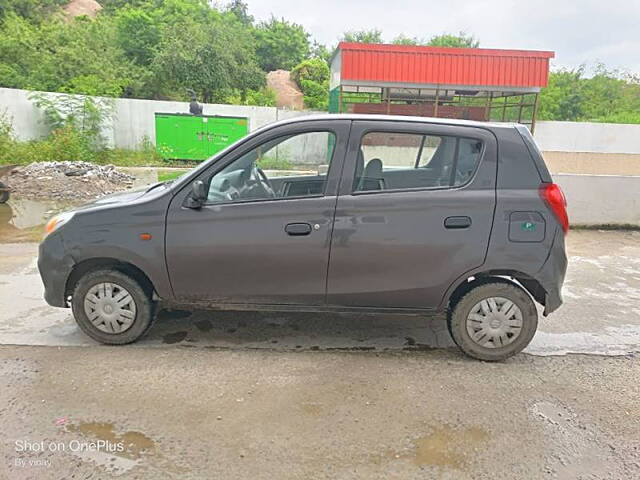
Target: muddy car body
point(393, 214)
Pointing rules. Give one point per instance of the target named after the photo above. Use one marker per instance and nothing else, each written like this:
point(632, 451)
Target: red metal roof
point(444, 66)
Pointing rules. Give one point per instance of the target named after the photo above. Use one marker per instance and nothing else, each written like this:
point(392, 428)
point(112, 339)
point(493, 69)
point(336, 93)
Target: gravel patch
point(67, 180)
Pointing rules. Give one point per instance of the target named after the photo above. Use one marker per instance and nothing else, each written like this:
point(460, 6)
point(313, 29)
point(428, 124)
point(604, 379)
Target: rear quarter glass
point(535, 153)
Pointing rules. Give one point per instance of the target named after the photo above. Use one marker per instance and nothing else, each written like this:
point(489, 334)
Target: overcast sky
point(578, 31)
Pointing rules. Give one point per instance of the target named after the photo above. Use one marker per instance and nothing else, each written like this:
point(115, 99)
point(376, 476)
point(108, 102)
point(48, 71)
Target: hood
point(126, 196)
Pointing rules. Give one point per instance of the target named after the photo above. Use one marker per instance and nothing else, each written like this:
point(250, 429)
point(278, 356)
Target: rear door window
point(392, 161)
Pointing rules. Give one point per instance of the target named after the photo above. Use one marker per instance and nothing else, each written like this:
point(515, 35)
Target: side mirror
point(198, 194)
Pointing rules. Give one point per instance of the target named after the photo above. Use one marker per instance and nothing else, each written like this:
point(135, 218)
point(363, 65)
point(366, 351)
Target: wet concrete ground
point(324, 396)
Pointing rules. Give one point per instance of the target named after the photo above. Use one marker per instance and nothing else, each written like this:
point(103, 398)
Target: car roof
point(393, 118)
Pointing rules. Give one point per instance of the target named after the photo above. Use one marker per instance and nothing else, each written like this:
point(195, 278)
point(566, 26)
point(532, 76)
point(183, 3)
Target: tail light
point(557, 203)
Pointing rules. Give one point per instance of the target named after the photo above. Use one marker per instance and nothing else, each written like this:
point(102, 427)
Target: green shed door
point(182, 137)
point(223, 131)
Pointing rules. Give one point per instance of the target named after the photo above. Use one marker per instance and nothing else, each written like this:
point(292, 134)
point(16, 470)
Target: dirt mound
point(288, 95)
point(76, 8)
point(67, 180)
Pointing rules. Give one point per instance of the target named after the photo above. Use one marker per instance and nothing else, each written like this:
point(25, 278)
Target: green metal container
point(196, 137)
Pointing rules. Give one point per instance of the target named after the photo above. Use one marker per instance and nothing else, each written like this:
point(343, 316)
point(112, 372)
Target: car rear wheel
point(111, 307)
point(493, 321)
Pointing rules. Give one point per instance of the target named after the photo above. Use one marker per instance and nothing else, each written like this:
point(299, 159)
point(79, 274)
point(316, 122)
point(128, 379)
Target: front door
point(414, 213)
point(263, 236)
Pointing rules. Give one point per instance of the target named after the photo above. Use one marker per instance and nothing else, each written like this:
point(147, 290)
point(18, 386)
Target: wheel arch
point(467, 283)
point(89, 265)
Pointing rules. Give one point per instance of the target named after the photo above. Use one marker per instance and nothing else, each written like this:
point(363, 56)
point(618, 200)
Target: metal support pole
point(487, 109)
point(504, 108)
point(435, 107)
point(520, 109)
point(536, 104)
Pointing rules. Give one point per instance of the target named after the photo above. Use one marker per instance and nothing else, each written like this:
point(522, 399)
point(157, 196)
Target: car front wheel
point(111, 307)
point(493, 321)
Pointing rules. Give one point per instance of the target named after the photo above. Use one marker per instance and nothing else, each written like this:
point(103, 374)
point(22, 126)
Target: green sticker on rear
point(528, 226)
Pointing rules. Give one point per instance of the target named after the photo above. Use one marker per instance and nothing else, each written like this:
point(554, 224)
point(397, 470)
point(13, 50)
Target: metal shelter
point(466, 83)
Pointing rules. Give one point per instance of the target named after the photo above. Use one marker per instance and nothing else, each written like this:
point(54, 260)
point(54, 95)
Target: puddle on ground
point(23, 220)
point(135, 445)
point(445, 447)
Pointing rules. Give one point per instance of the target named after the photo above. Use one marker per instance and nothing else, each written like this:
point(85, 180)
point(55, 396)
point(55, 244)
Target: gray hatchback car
point(331, 213)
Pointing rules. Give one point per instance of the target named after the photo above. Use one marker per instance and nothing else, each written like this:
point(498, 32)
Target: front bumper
point(54, 267)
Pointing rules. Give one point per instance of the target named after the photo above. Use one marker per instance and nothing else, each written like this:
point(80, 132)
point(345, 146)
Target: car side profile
point(381, 214)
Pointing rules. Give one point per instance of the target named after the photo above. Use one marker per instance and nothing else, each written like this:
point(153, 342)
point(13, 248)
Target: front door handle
point(298, 229)
point(457, 222)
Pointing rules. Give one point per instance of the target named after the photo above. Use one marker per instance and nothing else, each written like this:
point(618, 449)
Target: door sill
point(256, 307)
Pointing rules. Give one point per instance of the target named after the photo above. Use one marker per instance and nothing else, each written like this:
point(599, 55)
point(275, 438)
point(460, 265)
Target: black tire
point(457, 320)
point(145, 308)
point(4, 194)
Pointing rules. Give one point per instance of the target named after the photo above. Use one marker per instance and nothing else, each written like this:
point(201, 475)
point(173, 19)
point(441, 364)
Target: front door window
point(288, 166)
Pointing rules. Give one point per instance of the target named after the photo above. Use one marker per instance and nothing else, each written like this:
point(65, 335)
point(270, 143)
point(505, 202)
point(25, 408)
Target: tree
point(212, 59)
point(363, 36)
point(240, 10)
point(404, 40)
point(32, 10)
point(138, 35)
point(280, 44)
point(562, 98)
point(64, 56)
point(312, 76)
point(462, 40)
point(321, 51)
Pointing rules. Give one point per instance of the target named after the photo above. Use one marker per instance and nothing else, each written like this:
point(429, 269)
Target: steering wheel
point(264, 182)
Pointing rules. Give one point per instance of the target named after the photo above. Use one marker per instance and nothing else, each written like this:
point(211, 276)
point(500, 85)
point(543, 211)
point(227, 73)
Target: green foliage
point(275, 162)
point(7, 139)
point(80, 56)
point(462, 40)
point(83, 115)
point(404, 40)
point(363, 36)
point(606, 96)
point(265, 97)
point(240, 10)
point(562, 98)
point(314, 69)
point(149, 49)
point(166, 175)
point(321, 51)
point(280, 44)
point(33, 10)
point(138, 35)
point(212, 59)
point(312, 76)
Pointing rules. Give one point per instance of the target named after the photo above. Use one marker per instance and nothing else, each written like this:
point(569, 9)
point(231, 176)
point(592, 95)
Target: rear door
point(414, 212)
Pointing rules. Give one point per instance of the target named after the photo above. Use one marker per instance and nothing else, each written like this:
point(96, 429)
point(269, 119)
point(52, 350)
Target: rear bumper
point(551, 275)
point(54, 268)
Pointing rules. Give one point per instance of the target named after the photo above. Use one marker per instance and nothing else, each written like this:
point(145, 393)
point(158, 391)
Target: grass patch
point(166, 175)
point(274, 163)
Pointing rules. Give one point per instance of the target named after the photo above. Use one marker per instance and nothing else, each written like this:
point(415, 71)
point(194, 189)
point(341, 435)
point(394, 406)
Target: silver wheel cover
point(110, 307)
point(494, 322)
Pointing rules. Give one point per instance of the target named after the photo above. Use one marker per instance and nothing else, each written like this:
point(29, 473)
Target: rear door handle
point(298, 229)
point(457, 222)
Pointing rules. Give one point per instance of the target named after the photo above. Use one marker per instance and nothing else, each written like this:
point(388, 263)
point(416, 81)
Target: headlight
point(57, 221)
